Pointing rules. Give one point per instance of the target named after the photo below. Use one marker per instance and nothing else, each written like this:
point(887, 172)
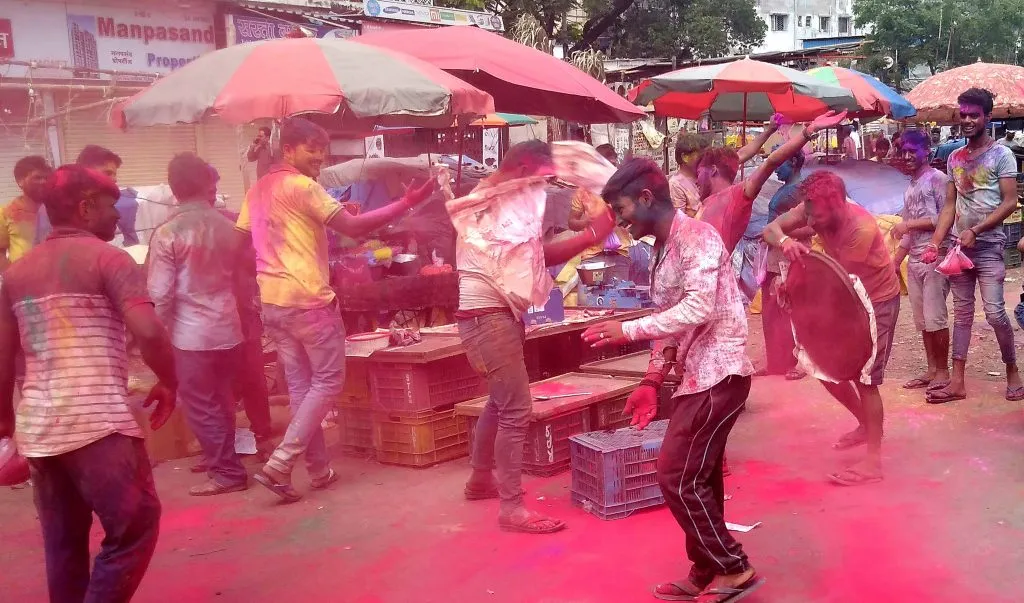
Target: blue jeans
point(988, 274)
point(494, 347)
point(205, 383)
point(113, 478)
point(311, 349)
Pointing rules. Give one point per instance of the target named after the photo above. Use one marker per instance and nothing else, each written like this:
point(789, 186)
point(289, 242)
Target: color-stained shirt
point(729, 212)
point(684, 193)
point(977, 186)
point(192, 261)
point(859, 247)
point(698, 309)
point(287, 213)
point(19, 222)
point(924, 198)
point(69, 296)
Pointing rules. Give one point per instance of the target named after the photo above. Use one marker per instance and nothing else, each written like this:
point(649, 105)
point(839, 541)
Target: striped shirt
point(68, 296)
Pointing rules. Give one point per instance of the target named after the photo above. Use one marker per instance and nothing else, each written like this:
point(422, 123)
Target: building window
point(799, 21)
point(844, 25)
point(823, 23)
point(780, 22)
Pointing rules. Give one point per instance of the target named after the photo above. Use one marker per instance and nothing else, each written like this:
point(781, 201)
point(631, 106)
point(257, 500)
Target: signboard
point(6, 39)
point(155, 41)
point(375, 147)
point(245, 28)
point(491, 140)
point(402, 11)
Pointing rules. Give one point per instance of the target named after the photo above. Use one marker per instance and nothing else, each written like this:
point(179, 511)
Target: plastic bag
point(13, 467)
point(955, 262)
point(761, 263)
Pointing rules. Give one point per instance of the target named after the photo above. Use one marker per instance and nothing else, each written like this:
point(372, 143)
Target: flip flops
point(532, 524)
point(686, 591)
point(852, 477)
point(917, 383)
point(731, 595)
point(285, 491)
point(325, 481)
point(1015, 394)
point(942, 396)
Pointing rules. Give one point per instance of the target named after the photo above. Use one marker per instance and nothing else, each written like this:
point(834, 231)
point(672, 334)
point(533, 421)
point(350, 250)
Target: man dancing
point(851, 237)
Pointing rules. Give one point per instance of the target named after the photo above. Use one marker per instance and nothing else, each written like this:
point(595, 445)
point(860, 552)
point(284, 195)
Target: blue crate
point(1013, 232)
point(614, 473)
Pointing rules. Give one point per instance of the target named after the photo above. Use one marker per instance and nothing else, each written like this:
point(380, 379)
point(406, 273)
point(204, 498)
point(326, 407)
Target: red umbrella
point(935, 98)
point(740, 91)
point(278, 78)
point(521, 79)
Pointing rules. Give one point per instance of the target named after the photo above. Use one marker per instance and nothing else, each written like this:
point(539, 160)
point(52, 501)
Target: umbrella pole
point(743, 135)
point(458, 170)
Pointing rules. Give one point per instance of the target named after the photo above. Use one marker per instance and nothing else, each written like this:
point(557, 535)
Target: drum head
point(829, 318)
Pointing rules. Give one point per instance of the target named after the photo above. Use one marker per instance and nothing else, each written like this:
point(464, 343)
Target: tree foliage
point(939, 34)
point(638, 28)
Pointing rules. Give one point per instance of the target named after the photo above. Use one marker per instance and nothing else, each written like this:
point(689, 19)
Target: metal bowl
point(592, 273)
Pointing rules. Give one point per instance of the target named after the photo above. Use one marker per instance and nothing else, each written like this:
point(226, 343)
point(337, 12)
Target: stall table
point(634, 366)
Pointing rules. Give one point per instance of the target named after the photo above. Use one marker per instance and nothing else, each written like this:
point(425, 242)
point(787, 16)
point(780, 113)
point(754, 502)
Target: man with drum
point(850, 236)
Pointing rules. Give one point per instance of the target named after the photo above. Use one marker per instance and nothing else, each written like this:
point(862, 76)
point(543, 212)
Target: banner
point(124, 39)
point(253, 29)
point(402, 11)
point(492, 139)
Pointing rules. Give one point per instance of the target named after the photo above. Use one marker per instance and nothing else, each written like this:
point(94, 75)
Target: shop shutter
point(144, 151)
point(17, 142)
point(224, 146)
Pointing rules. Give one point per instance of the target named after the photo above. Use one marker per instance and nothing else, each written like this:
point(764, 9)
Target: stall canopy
point(935, 98)
point(521, 79)
point(874, 98)
point(277, 78)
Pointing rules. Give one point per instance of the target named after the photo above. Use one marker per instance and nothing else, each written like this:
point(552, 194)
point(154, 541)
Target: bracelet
point(808, 135)
point(593, 231)
point(650, 383)
point(932, 246)
point(783, 240)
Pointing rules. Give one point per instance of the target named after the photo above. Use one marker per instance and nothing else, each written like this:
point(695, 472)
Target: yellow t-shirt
point(18, 222)
point(625, 239)
point(287, 213)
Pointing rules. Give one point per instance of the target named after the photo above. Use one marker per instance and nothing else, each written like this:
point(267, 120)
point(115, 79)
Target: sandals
point(1015, 394)
point(941, 396)
point(795, 374)
point(917, 383)
point(853, 477)
point(322, 482)
point(685, 591)
point(730, 595)
point(285, 491)
point(212, 488)
point(532, 523)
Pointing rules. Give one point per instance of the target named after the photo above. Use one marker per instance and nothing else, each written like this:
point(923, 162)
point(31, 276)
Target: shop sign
point(253, 29)
point(6, 39)
point(402, 11)
point(153, 41)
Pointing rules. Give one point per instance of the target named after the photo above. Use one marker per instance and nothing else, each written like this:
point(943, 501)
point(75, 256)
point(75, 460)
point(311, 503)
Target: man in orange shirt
point(19, 219)
point(288, 213)
point(851, 236)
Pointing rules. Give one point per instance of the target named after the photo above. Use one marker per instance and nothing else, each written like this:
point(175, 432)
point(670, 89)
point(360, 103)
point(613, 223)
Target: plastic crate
point(357, 384)
point(1011, 257)
point(420, 440)
point(615, 473)
point(355, 428)
point(547, 441)
point(1013, 233)
point(590, 354)
point(419, 387)
point(608, 414)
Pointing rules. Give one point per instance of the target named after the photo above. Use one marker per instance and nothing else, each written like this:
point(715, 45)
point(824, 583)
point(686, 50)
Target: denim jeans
point(494, 347)
point(250, 380)
point(113, 478)
point(205, 380)
point(311, 349)
point(988, 273)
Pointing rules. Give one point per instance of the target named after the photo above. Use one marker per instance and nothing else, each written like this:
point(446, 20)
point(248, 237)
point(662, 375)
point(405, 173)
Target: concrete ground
point(944, 526)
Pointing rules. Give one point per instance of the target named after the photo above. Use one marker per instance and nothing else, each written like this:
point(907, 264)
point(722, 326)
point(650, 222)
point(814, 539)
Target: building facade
point(798, 24)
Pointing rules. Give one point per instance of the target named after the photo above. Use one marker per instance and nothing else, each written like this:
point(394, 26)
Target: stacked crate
point(553, 421)
point(632, 366)
point(355, 412)
point(1012, 228)
point(414, 421)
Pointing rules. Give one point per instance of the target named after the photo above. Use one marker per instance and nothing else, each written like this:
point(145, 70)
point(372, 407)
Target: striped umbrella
point(935, 98)
point(874, 98)
point(742, 90)
point(278, 78)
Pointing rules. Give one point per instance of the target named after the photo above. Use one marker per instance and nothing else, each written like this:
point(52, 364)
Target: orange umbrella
point(935, 98)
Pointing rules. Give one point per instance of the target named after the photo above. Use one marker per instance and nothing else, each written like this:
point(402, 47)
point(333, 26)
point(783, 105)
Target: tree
point(938, 34)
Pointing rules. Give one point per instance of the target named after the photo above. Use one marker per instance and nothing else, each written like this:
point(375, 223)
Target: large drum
point(830, 320)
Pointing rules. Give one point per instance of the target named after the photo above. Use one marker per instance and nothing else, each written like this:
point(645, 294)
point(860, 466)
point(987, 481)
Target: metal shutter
point(144, 151)
point(224, 146)
point(17, 142)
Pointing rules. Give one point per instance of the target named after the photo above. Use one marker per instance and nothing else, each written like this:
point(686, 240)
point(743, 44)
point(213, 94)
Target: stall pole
point(743, 135)
point(458, 170)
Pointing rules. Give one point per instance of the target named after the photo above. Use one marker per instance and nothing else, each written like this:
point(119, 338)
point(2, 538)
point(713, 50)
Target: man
point(955, 141)
point(260, 152)
point(491, 327)
point(1007, 139)
point(192, 260)
point(778, 328)
point(698, 309)
point(882, 148)
point(727, 205)
point(107, 162)
point(928, 287)
point(982, 192)
point(287, 214)
point(19, 219)
point(67, 304)
point(608, 152)
point(850, 236)
point(847, 144)
point(683, 184)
